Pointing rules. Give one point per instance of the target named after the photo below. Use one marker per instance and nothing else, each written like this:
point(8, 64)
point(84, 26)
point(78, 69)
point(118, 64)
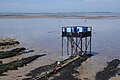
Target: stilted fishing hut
point(77, 39)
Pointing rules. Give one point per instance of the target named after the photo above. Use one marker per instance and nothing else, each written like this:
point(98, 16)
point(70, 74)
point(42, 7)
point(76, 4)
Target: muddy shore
point(14, 50)
point(84, 73)
point(69, 72)
point(51, 70)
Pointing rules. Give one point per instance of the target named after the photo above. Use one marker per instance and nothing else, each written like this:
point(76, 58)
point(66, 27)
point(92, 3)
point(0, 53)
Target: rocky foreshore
point(9, 49)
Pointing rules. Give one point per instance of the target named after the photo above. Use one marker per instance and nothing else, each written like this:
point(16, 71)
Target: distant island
point(81, 15)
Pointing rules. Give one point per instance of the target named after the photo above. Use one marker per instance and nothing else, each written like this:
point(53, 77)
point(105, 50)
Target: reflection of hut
point(78, 39)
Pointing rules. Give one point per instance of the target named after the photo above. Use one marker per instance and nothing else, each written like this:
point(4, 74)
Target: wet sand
point(22, 71)
point(90, 68)
point(87, 70)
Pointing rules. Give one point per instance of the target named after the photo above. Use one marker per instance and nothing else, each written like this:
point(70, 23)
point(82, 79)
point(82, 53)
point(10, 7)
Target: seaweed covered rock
point(109, 71)
point(11, 53)
point(47, 71)
point(8, 41)
point(18, 63)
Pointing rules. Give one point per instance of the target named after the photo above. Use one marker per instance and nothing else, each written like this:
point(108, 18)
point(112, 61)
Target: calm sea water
point(42, 34)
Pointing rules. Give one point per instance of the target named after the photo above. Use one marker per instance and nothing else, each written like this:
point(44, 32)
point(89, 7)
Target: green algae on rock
point(109, 71)
point(18, 63)
point(11, 53)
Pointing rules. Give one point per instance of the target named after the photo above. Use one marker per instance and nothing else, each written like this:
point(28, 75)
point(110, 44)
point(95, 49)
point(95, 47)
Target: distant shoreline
point(57, 17)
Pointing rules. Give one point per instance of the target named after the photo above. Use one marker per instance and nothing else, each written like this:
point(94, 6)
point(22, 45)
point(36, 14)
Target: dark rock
point(0, 62)
point(109, 71)
point(66, 73)
point(9, 43)
point(14, 52)
point(89, 55)
point(19, 63)
point(118, 71)
point(86, 79)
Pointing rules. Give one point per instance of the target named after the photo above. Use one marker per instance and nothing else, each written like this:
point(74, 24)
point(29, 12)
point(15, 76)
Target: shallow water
point(42, 35)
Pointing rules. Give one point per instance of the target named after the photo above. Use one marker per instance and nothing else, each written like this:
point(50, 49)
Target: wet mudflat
point(35, 33)
point(66, 72)
point(18, 63)
point(5, 54)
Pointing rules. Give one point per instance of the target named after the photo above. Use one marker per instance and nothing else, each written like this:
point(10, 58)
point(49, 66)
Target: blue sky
point(59, 6)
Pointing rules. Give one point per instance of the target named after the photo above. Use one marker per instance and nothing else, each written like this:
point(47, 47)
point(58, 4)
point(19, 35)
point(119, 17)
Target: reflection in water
point(43, 35)
point(38, 33)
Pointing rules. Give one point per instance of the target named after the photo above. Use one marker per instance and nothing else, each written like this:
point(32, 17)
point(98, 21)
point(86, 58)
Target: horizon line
point(64, 12)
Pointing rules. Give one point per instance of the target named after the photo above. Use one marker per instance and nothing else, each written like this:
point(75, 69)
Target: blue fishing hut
point(78, 39)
